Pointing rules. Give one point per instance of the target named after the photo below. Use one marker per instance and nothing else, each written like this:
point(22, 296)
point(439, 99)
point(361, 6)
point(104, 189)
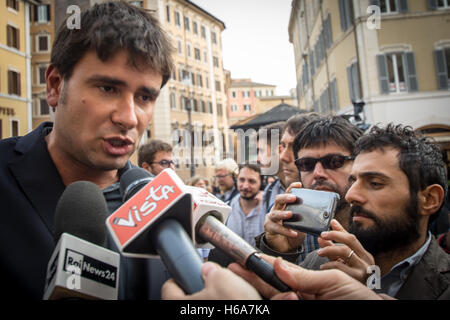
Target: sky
point(255, 42)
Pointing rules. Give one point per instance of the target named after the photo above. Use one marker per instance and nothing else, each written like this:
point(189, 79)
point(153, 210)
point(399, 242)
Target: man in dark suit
point(102, 82)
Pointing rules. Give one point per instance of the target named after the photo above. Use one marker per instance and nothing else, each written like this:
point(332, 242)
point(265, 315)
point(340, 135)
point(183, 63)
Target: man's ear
point(146, 166)
point(54, 82)
point(430, 199)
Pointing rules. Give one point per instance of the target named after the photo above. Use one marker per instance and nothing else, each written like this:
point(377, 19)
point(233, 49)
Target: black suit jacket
point(30, 187)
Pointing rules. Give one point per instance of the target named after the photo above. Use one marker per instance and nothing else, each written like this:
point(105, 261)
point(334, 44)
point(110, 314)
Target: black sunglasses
point(330, 161)
point(164, 163)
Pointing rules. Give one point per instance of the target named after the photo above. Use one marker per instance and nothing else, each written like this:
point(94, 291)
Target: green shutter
point(383, 74)
point(441, 69)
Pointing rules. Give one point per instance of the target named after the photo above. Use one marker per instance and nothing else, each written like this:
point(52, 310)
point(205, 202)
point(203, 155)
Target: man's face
point(320, 178)
point(224, 179)
point(288, 169)
point(102, 110)
point(384, 215)
point(249, 183)
point(161, 161)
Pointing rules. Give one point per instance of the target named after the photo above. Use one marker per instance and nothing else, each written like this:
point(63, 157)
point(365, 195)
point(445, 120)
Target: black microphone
point(164, 234)
point(80, 267)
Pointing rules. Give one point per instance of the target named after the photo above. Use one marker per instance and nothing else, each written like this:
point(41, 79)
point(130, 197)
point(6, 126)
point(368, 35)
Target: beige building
point(394, 55)
point(42, 30)
point(198, 83)
point(15, 68)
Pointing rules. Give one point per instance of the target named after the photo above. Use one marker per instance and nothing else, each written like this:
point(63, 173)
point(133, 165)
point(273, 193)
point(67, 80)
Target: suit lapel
point(37, 175)
point(426, 281)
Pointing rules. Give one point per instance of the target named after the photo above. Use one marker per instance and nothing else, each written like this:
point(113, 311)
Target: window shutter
point(334, 96)
point(19, 89)
point(48, 13)
point(18, 39)
point(10, 82)
point(356, 81)
point(432, 4)
point(441, 69)
point(403, 6)
point(342, 15)
point(350, 83)
point(9, 36)
point(329, 37)
point(35, 12)
point(383, 74)
point(311, 63)
point(411, 72)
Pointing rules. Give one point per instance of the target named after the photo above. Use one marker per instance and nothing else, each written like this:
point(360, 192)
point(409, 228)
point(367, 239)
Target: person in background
point(155, 156)
point(197, 181)
point(226, 172)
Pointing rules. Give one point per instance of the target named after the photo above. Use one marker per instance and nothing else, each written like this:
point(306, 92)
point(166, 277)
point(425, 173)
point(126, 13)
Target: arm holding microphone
point(222, 284)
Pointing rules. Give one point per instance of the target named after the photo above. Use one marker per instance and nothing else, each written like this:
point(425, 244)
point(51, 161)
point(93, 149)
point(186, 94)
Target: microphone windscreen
point(132, 181)
point(81, 211)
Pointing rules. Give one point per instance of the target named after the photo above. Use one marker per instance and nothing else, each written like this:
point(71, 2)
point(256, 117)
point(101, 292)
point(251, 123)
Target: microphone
point(128, 226)
point(208, 217)
point(156, 220)
point(80, 267)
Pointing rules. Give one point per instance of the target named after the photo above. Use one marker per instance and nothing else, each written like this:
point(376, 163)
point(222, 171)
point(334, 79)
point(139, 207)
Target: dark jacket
point(30, 187)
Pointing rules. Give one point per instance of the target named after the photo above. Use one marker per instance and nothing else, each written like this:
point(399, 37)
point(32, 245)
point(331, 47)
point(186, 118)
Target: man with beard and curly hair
point(397, 185)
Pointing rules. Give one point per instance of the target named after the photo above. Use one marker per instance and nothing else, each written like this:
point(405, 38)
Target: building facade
point(392, 55)
point(243, 97)
point(15, 68)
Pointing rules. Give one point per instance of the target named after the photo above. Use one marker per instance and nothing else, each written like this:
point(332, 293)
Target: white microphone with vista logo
point(156, 221)
point(80, 267)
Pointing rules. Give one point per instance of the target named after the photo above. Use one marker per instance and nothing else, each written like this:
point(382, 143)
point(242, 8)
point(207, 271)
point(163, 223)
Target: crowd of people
point(103, 81)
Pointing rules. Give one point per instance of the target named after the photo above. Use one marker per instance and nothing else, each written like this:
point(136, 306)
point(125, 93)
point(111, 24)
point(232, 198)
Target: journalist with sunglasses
point(323, 152)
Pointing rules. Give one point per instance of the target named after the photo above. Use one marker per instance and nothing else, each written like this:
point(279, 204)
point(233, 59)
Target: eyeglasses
point(330, 161)
point(164, 163)
point(221, 177)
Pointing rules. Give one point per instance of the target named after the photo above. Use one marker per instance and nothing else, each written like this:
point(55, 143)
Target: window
point(197, 54)
point(391, 6)
point(205, 56)
point(247, 107)
point(177, 19)
point(41, 74)
point(210, 109)
point(137, 3)
point(246, 94)
point(199, 80)
point(14, 128)
point(168, 13)
point(13, 4)
point(233, 94)
point(43, 108)
point(327, 32)
point(203, 31)
point(43, 43)
point(219, 109)
point(14, 83)
point(195, 27)
point(173, 101)
point(346, 14)
point(397, 72)
point(187, 26)
point(234, 107)
point(442, 61)
point(42, 13)
point(354, 82)
point(216, 62)
point(12, 37)
point(213, 37)
point(443, 3)
point(203, 106)
point(180, 47)
point(188, 49)
point(218, 86)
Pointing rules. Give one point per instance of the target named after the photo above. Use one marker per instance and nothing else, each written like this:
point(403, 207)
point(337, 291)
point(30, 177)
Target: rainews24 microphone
point(80, 267)
point(156, 220)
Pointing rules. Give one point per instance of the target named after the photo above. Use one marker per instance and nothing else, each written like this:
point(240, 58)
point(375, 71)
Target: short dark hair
point(251, 166)
point(322, 131)
point(272, 128)
point(297, 122)
point(108, 28)
point(148, 151)
point(419, 158)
